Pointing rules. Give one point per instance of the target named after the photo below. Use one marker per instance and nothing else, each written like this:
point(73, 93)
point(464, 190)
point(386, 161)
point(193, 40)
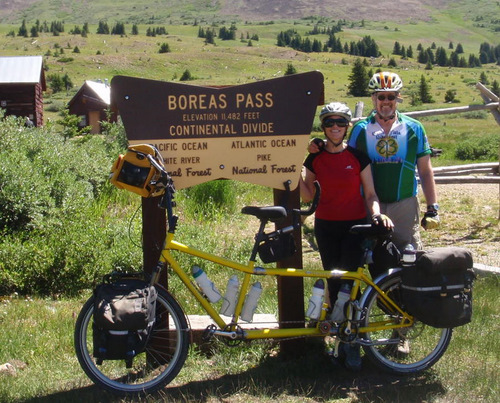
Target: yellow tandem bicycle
point(375, 317)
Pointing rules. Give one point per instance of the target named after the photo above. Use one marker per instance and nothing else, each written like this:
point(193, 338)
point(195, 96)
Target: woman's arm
point(306, 183)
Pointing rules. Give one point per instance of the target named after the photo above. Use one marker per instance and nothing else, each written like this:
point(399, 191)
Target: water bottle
point(316, 300)
point(208, 288)
point(343, 296)
point(250, 304)
point(230, 297)
point(409, 256)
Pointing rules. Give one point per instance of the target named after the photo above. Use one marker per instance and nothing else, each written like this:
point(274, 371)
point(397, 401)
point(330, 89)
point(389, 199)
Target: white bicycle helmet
point(385, 81)
point(335, 108)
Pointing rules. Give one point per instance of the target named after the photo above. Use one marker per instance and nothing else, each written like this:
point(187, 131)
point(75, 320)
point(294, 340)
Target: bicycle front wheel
point(164, 356)
point(405, 350)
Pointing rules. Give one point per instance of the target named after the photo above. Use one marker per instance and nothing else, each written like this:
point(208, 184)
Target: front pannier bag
point(124, 314)
point(437, 290)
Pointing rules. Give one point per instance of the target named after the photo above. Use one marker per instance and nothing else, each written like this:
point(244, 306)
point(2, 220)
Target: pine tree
point(483, 79)
point(495, 88)
point(103, 28)
point(441, 57)
point(424, 91)
point(397, 48)
point(23, 31)
point(186, 76)
point(392, 62)
point(358, 80)
point(164, 48)
point(409, 52)
point(209, 37)
point(290, 69)
point(403, 53)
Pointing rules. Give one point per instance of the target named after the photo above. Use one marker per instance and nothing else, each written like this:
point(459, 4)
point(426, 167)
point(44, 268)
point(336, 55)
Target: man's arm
point(426, 175)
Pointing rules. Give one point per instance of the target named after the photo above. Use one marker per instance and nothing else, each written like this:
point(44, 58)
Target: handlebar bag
point(134, 172)
point(124, 314)
point(437, 290)
point(277, 248)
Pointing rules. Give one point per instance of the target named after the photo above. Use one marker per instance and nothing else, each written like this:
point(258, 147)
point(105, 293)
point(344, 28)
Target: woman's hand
point(382, 219)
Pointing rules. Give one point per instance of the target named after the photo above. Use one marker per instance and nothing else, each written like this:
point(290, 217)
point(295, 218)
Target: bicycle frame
point(250, 270)
point(375, 321)
point(358, 277)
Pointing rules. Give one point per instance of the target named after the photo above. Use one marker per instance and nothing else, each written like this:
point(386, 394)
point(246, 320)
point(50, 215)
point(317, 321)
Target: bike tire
point(152, 370)
point(426, 344)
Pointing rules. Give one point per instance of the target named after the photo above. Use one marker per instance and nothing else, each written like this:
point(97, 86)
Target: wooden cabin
point(22, 82)
point(91, 103)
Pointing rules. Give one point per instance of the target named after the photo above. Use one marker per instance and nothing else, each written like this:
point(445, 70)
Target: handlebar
point(155, 163)
point(298, 212)
point(314, 204)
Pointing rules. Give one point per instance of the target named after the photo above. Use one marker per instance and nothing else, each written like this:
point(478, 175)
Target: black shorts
point(338, 248)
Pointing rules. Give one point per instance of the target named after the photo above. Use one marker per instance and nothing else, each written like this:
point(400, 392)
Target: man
point(396, 144)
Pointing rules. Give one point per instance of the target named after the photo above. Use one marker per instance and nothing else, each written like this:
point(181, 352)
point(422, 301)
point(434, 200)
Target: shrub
point(186, 76)
point(164, 48)
point(475, 115)
point(58, 232)
point(290, 69)
point(485, 149)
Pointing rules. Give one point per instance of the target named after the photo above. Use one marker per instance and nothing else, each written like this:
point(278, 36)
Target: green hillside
point(444, 25)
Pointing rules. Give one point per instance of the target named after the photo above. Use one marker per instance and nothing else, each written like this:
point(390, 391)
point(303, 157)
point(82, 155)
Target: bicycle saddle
point(370, 230)
point(269, 213)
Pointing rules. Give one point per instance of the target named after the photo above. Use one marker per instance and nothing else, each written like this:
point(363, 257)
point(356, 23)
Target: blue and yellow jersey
point(394, 156)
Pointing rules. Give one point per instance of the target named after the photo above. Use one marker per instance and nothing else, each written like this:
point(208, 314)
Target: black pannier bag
point(124, 314)
point(385, 255)
point(437, 290)
point(277, 248)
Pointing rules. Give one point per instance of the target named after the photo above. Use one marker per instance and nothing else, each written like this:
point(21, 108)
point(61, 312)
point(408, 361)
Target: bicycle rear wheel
point(426, 344)
point(162, 360)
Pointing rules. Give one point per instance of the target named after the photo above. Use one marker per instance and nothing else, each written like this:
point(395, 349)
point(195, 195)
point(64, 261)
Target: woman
point(342, 172)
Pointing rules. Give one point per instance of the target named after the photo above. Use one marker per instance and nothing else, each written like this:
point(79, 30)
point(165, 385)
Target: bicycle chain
point(233, 343)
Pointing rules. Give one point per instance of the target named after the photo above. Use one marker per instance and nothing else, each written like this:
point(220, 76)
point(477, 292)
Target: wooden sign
point(255, 133)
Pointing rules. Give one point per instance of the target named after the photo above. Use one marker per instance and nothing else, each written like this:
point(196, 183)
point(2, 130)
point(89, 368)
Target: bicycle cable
point(132, 241)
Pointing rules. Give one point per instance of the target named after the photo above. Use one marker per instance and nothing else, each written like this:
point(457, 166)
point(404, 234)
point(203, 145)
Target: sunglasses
point(382, 97)
point(338, 122)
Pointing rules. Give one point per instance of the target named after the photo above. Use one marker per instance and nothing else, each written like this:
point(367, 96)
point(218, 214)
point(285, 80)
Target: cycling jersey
point(393, 156)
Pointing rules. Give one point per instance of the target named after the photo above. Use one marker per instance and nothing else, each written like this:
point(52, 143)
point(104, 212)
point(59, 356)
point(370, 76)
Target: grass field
point(47, 369)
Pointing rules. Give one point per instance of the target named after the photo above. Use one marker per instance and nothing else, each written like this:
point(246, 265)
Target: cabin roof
point(102, 90)
point(21, 69)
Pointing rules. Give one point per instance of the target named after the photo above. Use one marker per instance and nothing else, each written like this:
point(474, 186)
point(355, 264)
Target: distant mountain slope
point(381, 10)
point(161, 11)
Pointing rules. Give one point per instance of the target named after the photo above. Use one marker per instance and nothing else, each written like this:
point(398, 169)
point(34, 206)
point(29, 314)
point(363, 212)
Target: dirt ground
point(470, 218)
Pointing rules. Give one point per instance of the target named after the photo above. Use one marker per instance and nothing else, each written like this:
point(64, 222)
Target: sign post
point(256, 133)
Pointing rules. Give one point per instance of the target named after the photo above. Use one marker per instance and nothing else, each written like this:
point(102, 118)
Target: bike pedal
point(208, 333)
